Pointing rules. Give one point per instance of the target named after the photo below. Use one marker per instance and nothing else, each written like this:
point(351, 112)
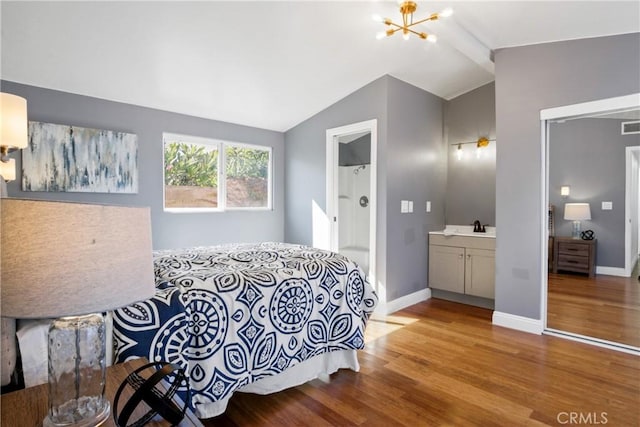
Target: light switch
point(410, 206)
point(404, 206)
point(428, 206)
point(607, 206)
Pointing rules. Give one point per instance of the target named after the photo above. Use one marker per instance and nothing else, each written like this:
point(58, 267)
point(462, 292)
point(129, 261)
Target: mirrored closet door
point(593, 286)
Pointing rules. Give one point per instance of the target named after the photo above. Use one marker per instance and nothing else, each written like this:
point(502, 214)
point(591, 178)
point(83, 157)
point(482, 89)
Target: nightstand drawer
point(578, 249)
point(574, 263)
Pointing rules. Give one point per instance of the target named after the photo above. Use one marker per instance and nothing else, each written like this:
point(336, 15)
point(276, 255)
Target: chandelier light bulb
point(405, 35)
point(381, 35)
point(432, 38)
point(459, 152)
point(446, 13)
point(377, 18)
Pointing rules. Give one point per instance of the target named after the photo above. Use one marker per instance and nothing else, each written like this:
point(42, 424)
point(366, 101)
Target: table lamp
point(577, 212)
point(74, 261)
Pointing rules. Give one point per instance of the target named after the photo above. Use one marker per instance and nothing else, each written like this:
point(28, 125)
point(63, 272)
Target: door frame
point(332, 192)
point(631, 198)
point(546, 116)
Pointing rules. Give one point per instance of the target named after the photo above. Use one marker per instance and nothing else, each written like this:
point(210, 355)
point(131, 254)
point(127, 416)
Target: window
point(208, 175)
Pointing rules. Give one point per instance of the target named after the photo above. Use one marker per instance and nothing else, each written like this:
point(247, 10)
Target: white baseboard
point(525, 324)
point(407, 300)
point(611, 271)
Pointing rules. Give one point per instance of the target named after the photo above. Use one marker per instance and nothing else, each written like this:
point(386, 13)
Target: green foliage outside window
point(247, 162)
point(190, 165)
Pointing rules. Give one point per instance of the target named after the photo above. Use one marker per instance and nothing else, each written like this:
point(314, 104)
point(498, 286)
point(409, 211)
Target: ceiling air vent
point(631, 127)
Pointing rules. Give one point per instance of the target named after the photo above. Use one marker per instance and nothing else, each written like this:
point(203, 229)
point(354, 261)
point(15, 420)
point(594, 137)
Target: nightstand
point(28, 407)
point(575, 255)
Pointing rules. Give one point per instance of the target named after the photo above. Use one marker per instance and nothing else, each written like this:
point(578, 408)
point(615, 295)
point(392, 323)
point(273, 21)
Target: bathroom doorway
point(351, 193)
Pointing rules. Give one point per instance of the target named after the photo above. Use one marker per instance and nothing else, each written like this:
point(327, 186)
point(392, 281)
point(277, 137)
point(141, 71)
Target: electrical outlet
point(607, 206)
point(404, 206)
point(410, 206)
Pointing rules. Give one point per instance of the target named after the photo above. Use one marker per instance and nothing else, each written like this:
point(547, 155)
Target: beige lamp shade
point(61, 259)
point(577, 211)
point(13, 121)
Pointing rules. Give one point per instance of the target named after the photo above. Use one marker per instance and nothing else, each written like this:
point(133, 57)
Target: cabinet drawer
point(577, 249)
point(573, 262)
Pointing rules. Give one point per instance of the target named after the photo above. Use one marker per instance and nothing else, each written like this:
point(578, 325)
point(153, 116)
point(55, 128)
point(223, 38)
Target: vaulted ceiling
point(272, 64)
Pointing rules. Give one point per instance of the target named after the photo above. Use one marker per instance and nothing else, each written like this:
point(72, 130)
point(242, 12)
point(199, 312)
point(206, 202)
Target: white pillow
point(33, 340)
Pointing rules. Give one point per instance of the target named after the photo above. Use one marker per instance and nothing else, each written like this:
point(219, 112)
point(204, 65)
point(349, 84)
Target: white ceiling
point(273, 64)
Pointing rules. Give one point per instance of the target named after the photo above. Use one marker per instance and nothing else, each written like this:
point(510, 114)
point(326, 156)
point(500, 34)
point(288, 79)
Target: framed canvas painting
point(75, 159)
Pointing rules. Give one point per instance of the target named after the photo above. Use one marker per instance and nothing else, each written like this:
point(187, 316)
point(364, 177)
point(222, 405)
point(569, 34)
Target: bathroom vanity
point(462, 261)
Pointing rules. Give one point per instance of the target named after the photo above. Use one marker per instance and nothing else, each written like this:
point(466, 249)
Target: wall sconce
point(13, 136)
point(565, 191)
point(13, 124)
point(459, 152)
point(482, 142)
point(8, 170)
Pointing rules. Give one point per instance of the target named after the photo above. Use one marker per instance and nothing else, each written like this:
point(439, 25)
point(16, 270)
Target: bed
point(248, 317)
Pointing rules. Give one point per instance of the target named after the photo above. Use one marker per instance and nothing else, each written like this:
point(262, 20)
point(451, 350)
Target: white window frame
point(220, 145)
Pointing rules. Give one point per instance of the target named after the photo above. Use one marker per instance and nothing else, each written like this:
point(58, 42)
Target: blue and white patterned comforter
point(233, 314)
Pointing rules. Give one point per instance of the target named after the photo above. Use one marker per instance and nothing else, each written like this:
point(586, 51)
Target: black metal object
point(587, 235)
point(160, 401)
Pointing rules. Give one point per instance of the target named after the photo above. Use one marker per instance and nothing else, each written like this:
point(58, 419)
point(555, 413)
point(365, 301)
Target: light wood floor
point(440, 363)
point(605, 307)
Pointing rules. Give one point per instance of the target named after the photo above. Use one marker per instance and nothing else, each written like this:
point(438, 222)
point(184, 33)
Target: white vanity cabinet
point(462, 264)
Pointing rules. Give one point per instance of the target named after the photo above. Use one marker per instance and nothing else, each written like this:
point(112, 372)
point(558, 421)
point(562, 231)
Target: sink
point(465, 230)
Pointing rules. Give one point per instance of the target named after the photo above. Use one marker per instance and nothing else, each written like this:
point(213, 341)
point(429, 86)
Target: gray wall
point(529, 79)
point(170, 230)
point(471, 182)
point(416, 170)
point(589, 156)
point(305, 163)
point(411, 166)
point(356, 152)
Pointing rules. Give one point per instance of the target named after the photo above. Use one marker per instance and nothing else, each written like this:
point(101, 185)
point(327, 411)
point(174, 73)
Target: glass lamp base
point(77, 372)
point(75, 409)
point(576, 230)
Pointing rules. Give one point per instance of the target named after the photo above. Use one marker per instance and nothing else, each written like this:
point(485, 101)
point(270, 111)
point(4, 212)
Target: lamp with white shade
point(68, 260)
point(577, 212)
point(13, 136)
point(13, 123)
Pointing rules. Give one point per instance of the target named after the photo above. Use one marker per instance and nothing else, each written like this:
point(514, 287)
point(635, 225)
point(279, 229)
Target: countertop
point(465, 230)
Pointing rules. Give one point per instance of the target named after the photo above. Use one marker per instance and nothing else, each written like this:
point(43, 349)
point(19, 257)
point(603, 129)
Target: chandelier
point(406, 9)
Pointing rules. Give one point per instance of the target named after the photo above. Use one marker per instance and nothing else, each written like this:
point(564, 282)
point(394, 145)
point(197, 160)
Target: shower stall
point(354, 188)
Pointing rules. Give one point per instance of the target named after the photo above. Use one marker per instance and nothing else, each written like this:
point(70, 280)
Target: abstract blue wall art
point(75, 159)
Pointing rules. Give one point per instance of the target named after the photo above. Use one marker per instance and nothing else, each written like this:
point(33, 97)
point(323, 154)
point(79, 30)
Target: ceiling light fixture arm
point(405, 30)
